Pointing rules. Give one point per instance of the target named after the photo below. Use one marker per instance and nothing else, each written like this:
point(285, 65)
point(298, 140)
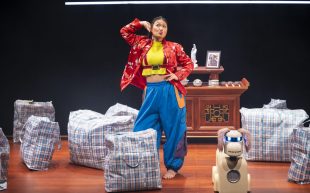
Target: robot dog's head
point(232, 141)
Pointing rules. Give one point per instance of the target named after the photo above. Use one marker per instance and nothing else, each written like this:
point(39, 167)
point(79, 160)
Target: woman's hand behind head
point(146, 25)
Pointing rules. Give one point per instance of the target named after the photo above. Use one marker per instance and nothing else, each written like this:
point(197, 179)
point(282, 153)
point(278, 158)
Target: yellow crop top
point(154, 58)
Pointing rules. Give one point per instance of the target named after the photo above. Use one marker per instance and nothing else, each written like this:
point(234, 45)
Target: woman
point(152, 66)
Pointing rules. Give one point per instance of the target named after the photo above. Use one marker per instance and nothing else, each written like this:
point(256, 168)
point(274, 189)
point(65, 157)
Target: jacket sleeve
point(128, 32)
point(185, 61)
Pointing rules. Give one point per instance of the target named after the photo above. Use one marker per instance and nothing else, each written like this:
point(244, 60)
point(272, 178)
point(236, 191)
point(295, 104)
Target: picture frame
point(213, 59)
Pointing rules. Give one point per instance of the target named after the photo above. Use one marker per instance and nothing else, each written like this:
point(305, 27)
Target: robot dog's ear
point(220, 139)
point(247, 138)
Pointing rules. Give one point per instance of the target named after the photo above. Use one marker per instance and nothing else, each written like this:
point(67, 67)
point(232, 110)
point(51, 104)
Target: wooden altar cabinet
point(210, 108)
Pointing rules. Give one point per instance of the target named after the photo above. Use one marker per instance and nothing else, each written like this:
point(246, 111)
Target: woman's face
point(159, 30)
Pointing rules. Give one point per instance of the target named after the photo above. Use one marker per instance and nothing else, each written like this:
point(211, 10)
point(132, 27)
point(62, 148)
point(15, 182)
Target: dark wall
point(74, 55)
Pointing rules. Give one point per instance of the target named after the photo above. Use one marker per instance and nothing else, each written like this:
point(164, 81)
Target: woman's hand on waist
point(171, 76)
point(159, 78)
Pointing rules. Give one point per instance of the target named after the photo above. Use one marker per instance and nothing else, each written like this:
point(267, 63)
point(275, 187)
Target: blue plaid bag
point(299, 170)
point(23, 109)
point(37, 144)
point(132, 162)
point(276, 103)
point(4, 160)
point(271, 129)
point(86, 135)
point(121, 110)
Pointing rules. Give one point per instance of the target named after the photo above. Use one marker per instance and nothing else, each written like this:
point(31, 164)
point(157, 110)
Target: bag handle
point(138, 162)
point(305, 121)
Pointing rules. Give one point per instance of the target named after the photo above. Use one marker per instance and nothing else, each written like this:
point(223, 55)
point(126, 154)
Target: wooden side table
point(210, 108)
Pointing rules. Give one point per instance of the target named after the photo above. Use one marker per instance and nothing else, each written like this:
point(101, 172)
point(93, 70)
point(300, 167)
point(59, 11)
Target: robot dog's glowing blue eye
point(233, 139)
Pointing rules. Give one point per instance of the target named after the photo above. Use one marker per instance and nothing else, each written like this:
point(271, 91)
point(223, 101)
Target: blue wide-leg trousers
point(162, 110)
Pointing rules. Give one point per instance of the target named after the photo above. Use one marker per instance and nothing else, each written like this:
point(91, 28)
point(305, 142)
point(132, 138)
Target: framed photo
point(213, 59)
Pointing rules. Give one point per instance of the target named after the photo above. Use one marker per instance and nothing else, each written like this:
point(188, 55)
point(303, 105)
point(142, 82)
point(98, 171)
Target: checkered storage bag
point(270, 129)
point(120, 109)
point(276, 103)
point(4, 156)
point(132, 162)
point(86, 134)
point(299, 170)
point(23, 109)
point(38, 143)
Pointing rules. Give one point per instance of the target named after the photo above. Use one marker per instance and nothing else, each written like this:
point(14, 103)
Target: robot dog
point(230, 175)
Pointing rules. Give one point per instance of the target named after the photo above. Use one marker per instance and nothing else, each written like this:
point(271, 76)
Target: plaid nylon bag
point(37, 144)
point(271, 129)
point(276, 103)
point(4, 155)
point(23, 109)
point(132, 162)
point(299, 170)
point(86, 135)
point(120, 109)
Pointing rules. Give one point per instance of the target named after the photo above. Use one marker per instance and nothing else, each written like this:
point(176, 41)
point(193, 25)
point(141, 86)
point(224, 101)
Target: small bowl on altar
point(197, 82)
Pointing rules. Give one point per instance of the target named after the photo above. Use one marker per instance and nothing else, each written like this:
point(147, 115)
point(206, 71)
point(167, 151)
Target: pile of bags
point(278, 134)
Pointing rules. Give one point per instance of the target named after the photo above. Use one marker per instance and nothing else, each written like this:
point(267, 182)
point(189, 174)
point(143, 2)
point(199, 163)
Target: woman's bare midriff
point(155, 78)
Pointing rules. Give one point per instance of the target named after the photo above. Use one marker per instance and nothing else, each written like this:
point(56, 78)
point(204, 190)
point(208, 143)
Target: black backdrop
point(74, 55)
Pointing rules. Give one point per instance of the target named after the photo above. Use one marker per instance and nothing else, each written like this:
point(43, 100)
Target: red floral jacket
point(140, 45)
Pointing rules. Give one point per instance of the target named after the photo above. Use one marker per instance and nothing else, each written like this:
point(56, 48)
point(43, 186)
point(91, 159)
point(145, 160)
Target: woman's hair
point(159, 18)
